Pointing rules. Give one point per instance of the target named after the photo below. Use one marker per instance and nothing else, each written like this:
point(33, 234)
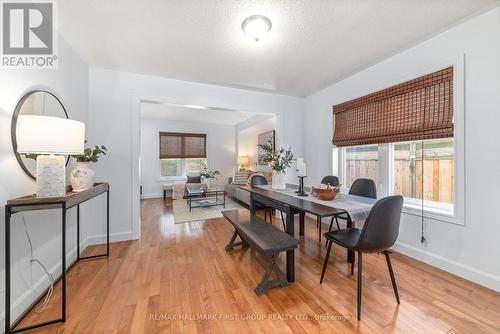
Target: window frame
point(432, 210)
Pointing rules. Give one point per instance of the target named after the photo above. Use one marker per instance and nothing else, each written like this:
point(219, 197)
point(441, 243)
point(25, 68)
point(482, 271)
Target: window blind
point(182, 145)
point(418, 109)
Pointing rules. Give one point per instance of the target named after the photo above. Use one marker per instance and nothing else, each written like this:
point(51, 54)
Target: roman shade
point(183, 145)
point(418, 109)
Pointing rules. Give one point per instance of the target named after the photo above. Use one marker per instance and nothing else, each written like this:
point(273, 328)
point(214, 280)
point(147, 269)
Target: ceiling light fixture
point(256, 26)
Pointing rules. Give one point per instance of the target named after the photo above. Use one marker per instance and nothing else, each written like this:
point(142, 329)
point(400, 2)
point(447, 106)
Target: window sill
point(171, 178)
point(432, 213)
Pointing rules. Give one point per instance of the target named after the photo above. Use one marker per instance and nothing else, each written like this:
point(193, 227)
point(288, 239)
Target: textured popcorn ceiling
point(311, 45)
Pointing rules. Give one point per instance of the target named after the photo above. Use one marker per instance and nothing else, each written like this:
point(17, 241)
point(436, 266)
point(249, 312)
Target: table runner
point(357, 207)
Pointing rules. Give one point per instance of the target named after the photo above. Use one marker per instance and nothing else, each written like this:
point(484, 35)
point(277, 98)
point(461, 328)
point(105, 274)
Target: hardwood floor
point(179, 279)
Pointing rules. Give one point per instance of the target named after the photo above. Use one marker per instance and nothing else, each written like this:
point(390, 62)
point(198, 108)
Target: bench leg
point(266, 284)
point(233, 244)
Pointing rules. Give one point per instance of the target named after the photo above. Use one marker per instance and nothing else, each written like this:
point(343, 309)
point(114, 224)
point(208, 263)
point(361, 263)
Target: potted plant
point(279, 161)
point(207, 174)
point(82, 177)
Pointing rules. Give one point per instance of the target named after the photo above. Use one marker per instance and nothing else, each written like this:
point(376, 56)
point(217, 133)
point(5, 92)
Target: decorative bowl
point(325, 194)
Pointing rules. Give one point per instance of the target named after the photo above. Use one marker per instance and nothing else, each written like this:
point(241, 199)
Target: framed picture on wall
point(264, 138)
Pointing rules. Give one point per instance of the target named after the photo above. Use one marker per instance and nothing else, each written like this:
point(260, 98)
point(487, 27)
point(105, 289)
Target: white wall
point(470, 251)
point(248, 140)
point(220, 150)
point(114, 122)
point(70, 84)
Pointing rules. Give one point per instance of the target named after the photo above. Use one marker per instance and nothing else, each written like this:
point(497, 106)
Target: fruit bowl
point(325, 194)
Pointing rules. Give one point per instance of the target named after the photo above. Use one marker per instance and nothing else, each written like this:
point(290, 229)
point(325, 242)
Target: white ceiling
point(312, 44)
point(162, 111)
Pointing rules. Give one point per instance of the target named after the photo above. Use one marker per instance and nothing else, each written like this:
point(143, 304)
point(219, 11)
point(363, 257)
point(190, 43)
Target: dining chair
point(333, 181)
point(260, 180)
point(378, 235)
point(360, 187)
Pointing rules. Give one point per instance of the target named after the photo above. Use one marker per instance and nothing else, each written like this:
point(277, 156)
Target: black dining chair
point(360, 187)
point(333, 181)
point(260, 180)
point(378, 234)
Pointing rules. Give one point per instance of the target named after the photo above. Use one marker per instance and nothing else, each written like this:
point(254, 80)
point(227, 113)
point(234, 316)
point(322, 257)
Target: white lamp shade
point(49, 135)
point(243, 160)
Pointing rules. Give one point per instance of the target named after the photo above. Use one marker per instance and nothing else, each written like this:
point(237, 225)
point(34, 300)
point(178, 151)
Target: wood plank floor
point(179, 279)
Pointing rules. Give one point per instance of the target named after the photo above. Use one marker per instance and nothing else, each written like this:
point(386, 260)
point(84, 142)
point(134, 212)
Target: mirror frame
point(13, 126)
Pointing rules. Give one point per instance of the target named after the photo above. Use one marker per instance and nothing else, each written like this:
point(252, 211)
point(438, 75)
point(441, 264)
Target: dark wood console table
point(30, 203)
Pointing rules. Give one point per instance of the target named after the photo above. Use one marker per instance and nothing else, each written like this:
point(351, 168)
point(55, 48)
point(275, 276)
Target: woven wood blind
point(418, 109)
point(182, 145)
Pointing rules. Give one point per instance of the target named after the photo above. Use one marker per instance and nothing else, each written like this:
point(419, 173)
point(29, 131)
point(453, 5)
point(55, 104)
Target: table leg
point(290, 265)
point(63, 259)
point(7, 269)
point(107, 223)
point(290, 255)
point(253, 205)
point(302, 222)
point(78, 232)
point(350, 253)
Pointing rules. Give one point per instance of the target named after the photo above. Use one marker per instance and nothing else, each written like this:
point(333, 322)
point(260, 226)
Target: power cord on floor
point(33, 259)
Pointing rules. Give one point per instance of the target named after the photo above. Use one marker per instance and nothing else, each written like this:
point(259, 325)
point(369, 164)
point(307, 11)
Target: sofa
point(235, 192)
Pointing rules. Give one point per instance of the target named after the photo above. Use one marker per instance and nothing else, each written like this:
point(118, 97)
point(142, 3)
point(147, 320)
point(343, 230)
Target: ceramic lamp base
point(50, 176)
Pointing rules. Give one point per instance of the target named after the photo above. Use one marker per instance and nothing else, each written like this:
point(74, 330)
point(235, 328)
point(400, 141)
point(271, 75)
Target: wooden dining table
point(291, 205)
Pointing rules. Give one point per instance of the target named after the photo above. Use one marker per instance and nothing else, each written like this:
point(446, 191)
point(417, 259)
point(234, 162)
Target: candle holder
point(301, 191)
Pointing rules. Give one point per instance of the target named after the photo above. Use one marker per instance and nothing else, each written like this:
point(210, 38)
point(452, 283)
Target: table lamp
point(243, 161)
point(50, 136)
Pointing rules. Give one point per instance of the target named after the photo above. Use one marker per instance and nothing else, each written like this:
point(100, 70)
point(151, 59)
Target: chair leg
point(360, 282)
point(331, 224)
point(337, 221)
point(319, 226)
point(391, 272)
point(283, 221)
point(329, 242)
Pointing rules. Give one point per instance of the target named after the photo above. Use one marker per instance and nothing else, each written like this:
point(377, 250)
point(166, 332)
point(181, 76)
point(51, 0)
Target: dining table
point(289, 202)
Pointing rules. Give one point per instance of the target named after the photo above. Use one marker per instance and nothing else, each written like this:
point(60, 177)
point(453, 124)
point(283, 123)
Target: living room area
point(249, 166)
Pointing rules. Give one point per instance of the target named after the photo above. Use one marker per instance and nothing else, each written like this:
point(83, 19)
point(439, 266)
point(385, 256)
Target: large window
point(421, 171)
point(179, 167)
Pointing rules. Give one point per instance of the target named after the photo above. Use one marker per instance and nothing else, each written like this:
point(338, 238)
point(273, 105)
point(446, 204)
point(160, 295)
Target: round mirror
point(40, 103)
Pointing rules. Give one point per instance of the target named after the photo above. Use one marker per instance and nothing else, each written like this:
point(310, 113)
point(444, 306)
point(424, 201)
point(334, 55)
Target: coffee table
point(201, 198)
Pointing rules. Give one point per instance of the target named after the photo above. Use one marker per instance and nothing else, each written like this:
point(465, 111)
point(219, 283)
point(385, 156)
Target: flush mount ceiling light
point(256, 26)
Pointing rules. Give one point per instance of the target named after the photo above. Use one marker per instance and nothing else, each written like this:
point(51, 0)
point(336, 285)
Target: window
point(424, 170)
point(415, 131)
point(180, 167)
point(182, 154)
point(360, 161)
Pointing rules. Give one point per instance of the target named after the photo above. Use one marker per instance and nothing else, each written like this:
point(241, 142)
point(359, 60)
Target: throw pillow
point(240, 177)
point(193, 179)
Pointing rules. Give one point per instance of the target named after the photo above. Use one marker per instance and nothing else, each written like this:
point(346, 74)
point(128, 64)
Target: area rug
point(182, 214)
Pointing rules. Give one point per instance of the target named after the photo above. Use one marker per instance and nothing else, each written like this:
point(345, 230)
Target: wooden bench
point(266, 239)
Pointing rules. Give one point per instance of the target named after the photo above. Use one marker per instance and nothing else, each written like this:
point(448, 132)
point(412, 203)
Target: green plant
point(91, 155)
point(279, 160)
point(31, 155)
point(208, 174)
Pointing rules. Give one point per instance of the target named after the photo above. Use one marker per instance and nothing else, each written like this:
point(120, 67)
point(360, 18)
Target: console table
point(30, 203)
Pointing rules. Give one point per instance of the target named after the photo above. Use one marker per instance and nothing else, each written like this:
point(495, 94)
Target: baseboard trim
point(97, 239)
point(149, 196)
point(469, 273)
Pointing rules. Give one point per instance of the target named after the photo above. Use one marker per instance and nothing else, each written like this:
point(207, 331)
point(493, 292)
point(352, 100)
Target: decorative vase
point(205, 183)
point(278, 180)
point(82, 177)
